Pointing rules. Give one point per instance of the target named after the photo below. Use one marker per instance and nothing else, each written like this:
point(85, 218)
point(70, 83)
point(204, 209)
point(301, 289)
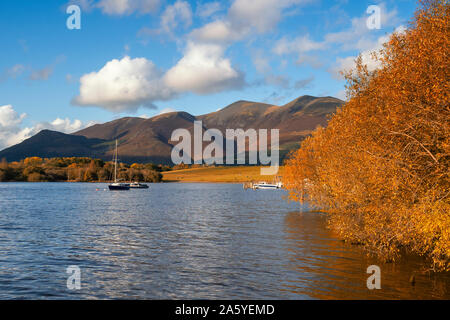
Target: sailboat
point(117, 185)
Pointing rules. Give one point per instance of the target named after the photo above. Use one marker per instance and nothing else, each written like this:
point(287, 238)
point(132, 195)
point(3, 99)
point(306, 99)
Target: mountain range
point(148, 140)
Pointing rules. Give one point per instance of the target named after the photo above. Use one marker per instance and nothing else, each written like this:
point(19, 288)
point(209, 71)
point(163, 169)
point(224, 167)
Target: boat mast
point(115, 164)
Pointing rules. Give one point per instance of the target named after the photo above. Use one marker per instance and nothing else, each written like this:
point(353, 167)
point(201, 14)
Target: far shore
point(237, 174)
point(219, 174)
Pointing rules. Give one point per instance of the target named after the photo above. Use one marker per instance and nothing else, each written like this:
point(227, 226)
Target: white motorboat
point(267, 186)
point(138, 185)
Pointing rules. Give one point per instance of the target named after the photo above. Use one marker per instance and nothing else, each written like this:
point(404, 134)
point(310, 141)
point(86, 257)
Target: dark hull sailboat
point(116, 186)
point(119, 186)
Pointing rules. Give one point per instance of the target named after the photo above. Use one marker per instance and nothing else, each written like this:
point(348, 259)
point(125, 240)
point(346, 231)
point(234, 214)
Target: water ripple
point(183, 241)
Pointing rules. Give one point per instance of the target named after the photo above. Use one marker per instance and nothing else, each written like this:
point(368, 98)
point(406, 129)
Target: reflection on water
point(326, 268)
point(190, 241)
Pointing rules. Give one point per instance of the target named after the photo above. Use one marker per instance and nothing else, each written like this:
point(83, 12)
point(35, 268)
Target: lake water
point(184, 241)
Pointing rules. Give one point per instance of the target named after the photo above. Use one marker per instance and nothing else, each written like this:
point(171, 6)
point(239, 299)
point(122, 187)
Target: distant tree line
point(75, 169)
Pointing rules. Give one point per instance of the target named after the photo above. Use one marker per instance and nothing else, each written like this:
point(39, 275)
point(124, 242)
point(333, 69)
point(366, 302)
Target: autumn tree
point(33, 161)
point(74, 169)
point(381, 166)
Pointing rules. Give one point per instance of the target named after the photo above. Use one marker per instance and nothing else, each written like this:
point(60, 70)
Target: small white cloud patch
point(179, 13)
point(348, 63)
point(126, 7)
point(12, 132)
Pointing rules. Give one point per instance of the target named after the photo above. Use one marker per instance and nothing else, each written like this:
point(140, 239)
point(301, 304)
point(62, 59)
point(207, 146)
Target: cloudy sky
point(145, 57)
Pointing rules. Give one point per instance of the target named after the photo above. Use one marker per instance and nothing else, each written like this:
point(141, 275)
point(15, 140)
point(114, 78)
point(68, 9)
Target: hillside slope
point(148, 140)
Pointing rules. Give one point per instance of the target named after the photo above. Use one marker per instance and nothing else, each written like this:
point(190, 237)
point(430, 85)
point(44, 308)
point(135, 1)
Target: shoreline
point(99, 182)
point(221, 174)
point(211, 182)
point(107, 182)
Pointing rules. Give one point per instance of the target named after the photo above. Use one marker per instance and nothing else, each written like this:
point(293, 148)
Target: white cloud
point(205, 10)
point(310, 60)
point(166, 110)
point(278, 80)
point(263, 67)
point(127, 84)
point(348, 63)
point(126, 7)
point(85, 5)
point(244, 18)
point(174, 15)
point(203, 70)
point(9, 118)
point(341, 95)
point(304, 83)
point(261, 15)
point(12, 131)
point(261, 62)
point(62, 125)
point(359, 36)
point(46, 72)
point(219, 31)
point(42, 74)
point(12, 72)
point(123, 85)
point(16, 70)
point(298, 45)
point(117, 7)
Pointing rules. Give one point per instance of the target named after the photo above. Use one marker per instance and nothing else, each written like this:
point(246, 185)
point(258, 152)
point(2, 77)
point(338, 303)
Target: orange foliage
point(381, 167)
point(136, 166)
point(33, 161)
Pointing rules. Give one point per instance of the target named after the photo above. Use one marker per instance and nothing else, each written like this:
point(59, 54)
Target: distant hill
point(50, 144)
point(148, 140)
point(295, 120)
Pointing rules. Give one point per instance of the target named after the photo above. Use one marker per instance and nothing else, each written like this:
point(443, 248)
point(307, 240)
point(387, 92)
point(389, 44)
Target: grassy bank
point(218, 174)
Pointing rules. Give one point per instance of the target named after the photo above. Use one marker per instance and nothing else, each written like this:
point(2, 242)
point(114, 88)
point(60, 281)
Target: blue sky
point(143, 57)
